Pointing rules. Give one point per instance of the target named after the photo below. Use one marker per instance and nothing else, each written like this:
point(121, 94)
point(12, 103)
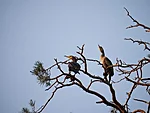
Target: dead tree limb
point(140, 42)
point(137, 23)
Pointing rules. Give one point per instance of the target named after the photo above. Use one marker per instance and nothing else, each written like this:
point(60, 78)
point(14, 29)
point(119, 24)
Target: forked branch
point(137, 23)
point(140, 42)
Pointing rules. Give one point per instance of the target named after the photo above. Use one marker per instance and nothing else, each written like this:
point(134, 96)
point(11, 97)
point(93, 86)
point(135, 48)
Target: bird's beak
point(67, 56)
point(99, 46)
point(101, 49)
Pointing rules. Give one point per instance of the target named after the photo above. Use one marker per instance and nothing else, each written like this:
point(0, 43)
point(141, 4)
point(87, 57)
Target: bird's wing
point(77, 66)
point(74, 65)
point(107, 62)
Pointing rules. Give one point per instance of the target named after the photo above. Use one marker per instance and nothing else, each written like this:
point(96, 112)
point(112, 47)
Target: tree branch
point(139, 110)
point(63, 76)
point(130, 93)
point(146, 44)
point(137, 23)
point(138, 83)
point(53, 93)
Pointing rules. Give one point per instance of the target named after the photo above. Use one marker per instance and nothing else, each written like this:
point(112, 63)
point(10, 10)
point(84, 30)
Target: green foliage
point(38, 69)
point(113, 110)
point(32, 105)
point(43, 79)
point(41, 73)
point(25, 110)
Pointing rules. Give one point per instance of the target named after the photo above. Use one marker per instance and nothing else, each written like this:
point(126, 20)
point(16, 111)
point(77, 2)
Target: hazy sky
point(32, 30)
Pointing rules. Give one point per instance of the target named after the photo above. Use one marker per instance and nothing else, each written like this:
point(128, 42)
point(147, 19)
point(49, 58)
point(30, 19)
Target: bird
point(73, 66)
point(107, 64)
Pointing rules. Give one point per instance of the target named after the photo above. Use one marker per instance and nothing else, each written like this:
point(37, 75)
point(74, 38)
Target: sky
point(41, 30)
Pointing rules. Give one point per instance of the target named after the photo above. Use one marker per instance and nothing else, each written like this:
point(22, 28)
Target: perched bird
point(107, 65)
point(73, 65)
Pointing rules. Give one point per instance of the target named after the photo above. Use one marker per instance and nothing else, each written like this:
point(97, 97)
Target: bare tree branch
point(94, 61)
point(137, 23)
point(146, 44)
point(124, 69)
point(53, 93)
point(141, 101)
point(146, 102)
point(130, 93)
point(60, 81)
point(138, 82)
point(139, 110)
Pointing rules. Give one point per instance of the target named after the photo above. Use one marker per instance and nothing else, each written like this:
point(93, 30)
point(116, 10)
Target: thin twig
point(137, 23)
point(53, 93)
point(138, 83)
point(140, 42)
point(141, 100)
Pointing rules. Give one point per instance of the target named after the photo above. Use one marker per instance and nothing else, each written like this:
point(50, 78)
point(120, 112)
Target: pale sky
point(32, 30)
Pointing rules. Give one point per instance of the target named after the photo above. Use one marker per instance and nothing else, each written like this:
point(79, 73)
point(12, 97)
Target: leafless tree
point(60, 81)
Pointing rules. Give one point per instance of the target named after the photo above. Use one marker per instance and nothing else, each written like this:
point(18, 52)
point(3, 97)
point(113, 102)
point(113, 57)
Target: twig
point(64, 62)
point(139, 110)
point(82, 48)
point(148, 109)
point(137, 23)
point(143, 79)
point(138, 83)
point(53, 93)
point(141, 100)
point(146, 44)
point(51, 86)
point(84, 59)
point(99, 102)
point(134, 67)
point(94, 61)
point(92, 81)
point(130, 93)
